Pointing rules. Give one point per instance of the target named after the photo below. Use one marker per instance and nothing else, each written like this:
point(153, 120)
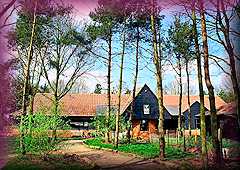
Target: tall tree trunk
point(26, 82)
point(33, 91)
point(214, 127)
point(55, 111)
point(134, 86)
point(189, 102)
point(31, 102)
point(201, 92)
point(229, 48)
point(120, 92)
point(180, 121)
point(107, 135)
point(180, 99)
point(56, 93)
point(158, 66)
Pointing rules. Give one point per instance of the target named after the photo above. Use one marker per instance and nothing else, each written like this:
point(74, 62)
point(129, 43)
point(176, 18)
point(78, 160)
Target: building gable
point(195, 112)
point(145, 104)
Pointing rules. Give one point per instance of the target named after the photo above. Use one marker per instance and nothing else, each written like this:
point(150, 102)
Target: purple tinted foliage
point(125, 7)
point(41, 6)
point(6, 101)
point(146, 7)
point(7, 98)
point(45, 7)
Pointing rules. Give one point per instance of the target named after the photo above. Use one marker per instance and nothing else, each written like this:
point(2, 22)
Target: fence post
point(176, 135)
point(220, 137)
point(167, 136)
point(195, 136)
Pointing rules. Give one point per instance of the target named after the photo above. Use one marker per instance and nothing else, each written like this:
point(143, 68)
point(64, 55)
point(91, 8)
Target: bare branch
point(5, 9)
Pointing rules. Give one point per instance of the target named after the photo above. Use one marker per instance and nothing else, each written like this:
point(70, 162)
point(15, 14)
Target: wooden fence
point(13, 132)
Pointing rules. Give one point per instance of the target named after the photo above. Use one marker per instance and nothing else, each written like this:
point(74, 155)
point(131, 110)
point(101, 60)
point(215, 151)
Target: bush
point(36, 130)
point(99, 123)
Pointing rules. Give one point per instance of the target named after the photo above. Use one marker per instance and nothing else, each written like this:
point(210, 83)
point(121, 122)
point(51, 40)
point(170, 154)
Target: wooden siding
point(195, 110)
point(145, 97)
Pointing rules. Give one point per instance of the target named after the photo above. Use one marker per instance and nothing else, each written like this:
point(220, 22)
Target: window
point(197, 123)
point(146, 109)
point(80, 125)
point(85, 124)
point(144, 125)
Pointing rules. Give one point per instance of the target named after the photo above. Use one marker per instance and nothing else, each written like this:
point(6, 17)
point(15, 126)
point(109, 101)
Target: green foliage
point(226, 95)
point(23, 31)
point(107, 17)
point(127, 91)
point(36, 129)
point(227, 143)
point(104, 23)
point(98, 89)
point(20, 36)
point(190, 141)
point(44, 88)
point(147, 150)
point(180, 38)
point(99, 122)
point(98, 142)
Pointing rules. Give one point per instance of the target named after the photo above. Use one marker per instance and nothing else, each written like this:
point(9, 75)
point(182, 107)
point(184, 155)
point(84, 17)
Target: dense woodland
point(47, 44)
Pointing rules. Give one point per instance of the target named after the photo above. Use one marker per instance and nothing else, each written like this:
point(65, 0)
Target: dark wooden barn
point(145, 113)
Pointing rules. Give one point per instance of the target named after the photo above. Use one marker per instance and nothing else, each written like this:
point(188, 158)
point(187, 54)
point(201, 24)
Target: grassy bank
point(146, 150)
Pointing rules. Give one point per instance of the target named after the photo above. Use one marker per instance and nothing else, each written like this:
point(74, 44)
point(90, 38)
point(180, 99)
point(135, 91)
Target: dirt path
point(109, 160)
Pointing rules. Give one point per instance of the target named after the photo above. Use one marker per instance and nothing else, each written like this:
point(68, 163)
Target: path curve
point(109, 160)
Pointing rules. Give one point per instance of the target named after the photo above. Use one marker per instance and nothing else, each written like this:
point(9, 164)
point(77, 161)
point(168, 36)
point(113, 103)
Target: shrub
point(99, 123)
point(36, 130)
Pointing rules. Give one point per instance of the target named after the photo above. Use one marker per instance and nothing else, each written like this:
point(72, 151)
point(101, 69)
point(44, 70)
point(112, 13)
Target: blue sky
point(146, 75)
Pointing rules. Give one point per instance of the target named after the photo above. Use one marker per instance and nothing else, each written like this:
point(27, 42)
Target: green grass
point(189, 141)
point(227, 143)
point(146, 150)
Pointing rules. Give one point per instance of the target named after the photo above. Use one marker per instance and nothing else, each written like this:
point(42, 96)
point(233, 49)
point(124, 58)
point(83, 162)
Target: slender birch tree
point(158, 65)
point(136, 26)
point(120, 89)
point(200, 86)
point(103, 29)
point(224, 33)
point(214, 127)
point(26, 78)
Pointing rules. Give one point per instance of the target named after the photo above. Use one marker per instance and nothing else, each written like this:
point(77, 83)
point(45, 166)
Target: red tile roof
point(78, 104)
point(229, 109)
point(85, 104)
point(173, 100)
